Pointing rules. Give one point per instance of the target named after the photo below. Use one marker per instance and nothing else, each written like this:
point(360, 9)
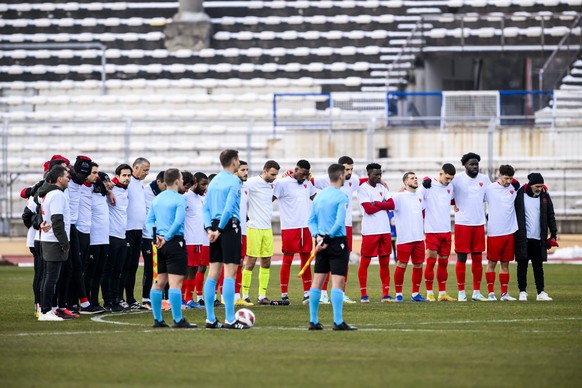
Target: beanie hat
point(45, 166)
point(83, 165)
point(60, 157)
point(535, 178)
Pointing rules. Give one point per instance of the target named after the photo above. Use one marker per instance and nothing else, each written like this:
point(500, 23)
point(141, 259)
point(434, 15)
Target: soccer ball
point(246, 316)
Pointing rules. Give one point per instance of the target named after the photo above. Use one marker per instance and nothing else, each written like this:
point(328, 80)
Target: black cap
point(82, 165)
point(535, 178)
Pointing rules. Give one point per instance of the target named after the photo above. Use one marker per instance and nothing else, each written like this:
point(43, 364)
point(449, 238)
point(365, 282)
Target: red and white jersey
point(32, 233)
point(55, 202)
point(136, 208)
point(437, 207)
point(84, 214)
point(470, 198)
point(408, 208)
point(74, 190)
point(244, 199)
point(99, 220)
point(377, 223)
point(194, 232)
point(350, 187)
point(500, 200)
point(118, 213)
point(294, 202)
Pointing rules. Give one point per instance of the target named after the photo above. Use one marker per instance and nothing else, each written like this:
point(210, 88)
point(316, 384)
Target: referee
point(167, 214)
point(327, 223)
point(221, 213)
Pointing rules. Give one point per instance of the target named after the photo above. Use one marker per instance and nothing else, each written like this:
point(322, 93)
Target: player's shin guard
point(442, 274)
point(264, 275)
point(363, 274)
point(429, 273)
point(209, 292)
point(228, 295)
point(490, 279)
point(337, 303)
point(416, 279)
point(247, 277)
point(307, 274)
point(504, 280)
point(399, 279)
point(175, 297)
point(156, 301)
point(314, 296)
point(384, 274)
point(461, 270)
point(477, 270)
point(285, 273)
point(199, 283)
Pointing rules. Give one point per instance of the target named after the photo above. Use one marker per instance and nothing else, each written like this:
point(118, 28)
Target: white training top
point(408, 208)
point(294, 202)
point(136, 209)
point(194, 232)
point(118, 213)
point(437, 205)
point(55, 202)
point(85, 203)
point(260, 203)
point(74, 197)
point(501, 219)
point(350, 187)
point(532, 217)
point(32, 233)
point(148, 198)
point(377, 223)
point(99, 220)
point(469, 198)
point(244, 199)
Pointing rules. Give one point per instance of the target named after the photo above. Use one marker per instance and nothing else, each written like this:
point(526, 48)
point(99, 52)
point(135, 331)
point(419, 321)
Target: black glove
point(515, 184)
point(426, 182)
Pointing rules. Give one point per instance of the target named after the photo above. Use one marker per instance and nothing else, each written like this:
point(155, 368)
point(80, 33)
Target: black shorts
point(226, 249)
point(334, 258)
point(172, 257)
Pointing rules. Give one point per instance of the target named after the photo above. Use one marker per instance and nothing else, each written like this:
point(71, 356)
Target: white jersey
point(148, 198)
point(377, 223)
point(294, 202)
point(350, 187)
point(437, 205)
point(32, 233)
point(136, 209)
point(118, 213)
point(502, 219)
point(469, 198)
point(532, 217)
point(408, 207)
point(74, 197)
point(85, 203)
point(244, 199)
point(55, 202)
point(260, 203)
point(194, 232)
point(99, 220)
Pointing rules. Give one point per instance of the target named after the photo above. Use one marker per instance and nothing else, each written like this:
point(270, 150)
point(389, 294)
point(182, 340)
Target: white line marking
point(101, 318)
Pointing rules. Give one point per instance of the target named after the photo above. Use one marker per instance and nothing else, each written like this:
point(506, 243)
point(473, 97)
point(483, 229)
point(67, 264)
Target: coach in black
point(535, 215)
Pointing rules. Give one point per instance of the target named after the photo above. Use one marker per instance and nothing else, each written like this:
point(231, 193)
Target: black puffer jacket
point(547, 220)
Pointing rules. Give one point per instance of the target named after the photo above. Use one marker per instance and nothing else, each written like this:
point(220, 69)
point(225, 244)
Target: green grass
point(442, 344)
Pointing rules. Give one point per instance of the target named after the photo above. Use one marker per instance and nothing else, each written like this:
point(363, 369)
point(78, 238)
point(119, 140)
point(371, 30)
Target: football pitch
point(537, 344)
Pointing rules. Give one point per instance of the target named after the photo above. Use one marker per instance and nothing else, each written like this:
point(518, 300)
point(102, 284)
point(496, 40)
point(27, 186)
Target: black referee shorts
point(334, 258)
point(226, 249)
point(172, 257)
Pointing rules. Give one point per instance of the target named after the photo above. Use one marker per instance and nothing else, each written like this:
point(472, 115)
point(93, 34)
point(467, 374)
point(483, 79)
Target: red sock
point(199, 283)
point(363, 274)
point(346, 279)
point(399, 279)
point(477, 270)
point(307, 274)
point(83, 300)
point(442, 274)
point(220, 280)
point(285, 273)
point(190, 284)
point(504, 280)
point(385, 274)
point(461, 269)
point(324, 287)
point(429, 272)
point(416, 278)
point(184, 289)
point(490, 278)
point(238, 281)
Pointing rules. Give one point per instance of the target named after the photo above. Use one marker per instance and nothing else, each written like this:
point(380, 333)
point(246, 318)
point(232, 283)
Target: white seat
point(340, 19)
point(269, 67)
point(386, 19)
point(437, 33)
point(88, 22)
point(222, 35)
point(363, 19)
point(134, 22)
point(176, 68)
point(232, 83)
point(289, 35)
point(246, 68)
point(65, 22)
point(280, 82)
point(253, 52)
point(129, 37)
point(333, 34)
point(111, 22)
point(108, 37)
point(231, 52)
point(511, 32)
point(353, 81)
point(292, 67)
point(311, 35)
point(355, 34)
point(245, 35)
point(61, 69)
point(134, 54)
point(304, 81)
point(315, 67)
point(378, 34)
point(296, 19)
point(38, 69)
point(223, 68)
point(200, 68)
point(159, 53)
point(324, 51)
point(267, 35)
point(65, 54)
point(94, 6)
point(338, 66)
point(250, 20)
point(348, 50)
point(155, 68)
point(533, 32)
point(83, 37)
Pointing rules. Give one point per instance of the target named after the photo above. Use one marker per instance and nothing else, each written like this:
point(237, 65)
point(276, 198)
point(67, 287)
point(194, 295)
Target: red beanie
point(60, 157)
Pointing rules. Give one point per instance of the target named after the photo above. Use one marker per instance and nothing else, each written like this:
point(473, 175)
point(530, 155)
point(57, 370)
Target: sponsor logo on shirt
point(481, 184)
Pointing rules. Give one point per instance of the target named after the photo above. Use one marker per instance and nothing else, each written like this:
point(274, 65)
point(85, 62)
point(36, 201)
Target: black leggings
point(77, 284)
point(51, 274)
point(127, 281)
point(94, 271)
point(148, 267)
point(38, 270)
point(534, 254)
point(112, 270)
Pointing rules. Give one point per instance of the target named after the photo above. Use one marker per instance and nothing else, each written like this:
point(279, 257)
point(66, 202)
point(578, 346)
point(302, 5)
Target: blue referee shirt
point(167, 214)
point(222, 199)
point(328, 213)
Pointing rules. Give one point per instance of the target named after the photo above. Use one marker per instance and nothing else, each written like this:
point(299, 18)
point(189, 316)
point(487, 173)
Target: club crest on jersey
point(511, 192)
point(272, 186)
point(305, 185)
point(481, 184)
point(246, 192)
point(420, 200)
point(350, 184)
point(381, 192)
point(181, 243)
point(448, 191)
point(342, 245)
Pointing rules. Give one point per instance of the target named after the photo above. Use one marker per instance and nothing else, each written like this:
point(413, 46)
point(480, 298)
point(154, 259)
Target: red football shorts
point(500, 248)
point(296, 241)
point(440, 242)
point(469, 239)
point(243, 251)
point(412, 250)
point(198, 255)
point(376, 245)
